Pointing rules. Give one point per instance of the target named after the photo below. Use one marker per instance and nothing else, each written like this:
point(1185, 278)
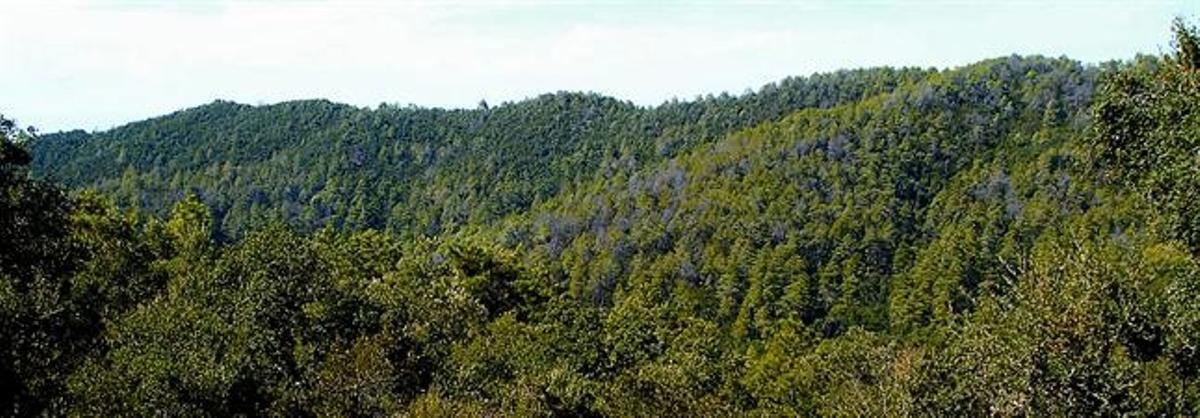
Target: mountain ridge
point(563, 133)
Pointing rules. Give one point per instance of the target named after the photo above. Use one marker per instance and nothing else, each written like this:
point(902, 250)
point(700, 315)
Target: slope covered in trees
point(1013, 237)
point(412, 170)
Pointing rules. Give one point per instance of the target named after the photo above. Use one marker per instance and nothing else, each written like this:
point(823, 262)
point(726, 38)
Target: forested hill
point(413, 170)
point(1015, 237)
point(821, 215)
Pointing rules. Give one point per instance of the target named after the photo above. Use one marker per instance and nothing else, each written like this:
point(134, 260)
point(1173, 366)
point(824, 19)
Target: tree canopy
point(1013, 237)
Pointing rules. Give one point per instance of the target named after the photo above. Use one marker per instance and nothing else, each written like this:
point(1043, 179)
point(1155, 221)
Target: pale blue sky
point(94, 64)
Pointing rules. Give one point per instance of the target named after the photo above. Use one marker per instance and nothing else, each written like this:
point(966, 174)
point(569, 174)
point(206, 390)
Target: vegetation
point(1013, 237)
point(410, 170)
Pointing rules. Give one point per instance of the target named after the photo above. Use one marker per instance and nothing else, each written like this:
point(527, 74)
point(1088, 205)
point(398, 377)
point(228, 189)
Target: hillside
point(413, 170)
point(1013, 237)
point(841, 199)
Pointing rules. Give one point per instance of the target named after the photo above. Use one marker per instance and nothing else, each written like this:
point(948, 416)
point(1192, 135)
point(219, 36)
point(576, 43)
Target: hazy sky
point(100, 63)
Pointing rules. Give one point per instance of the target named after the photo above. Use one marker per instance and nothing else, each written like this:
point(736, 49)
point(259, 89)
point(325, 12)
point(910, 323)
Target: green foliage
point(1146, 118)
point(985, 240)
point(47, 326)
point(415, 171)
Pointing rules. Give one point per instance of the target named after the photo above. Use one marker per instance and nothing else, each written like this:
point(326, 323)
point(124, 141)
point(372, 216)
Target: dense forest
point(1018, 236)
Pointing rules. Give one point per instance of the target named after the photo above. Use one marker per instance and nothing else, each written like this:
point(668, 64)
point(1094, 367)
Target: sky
point(96, 64)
